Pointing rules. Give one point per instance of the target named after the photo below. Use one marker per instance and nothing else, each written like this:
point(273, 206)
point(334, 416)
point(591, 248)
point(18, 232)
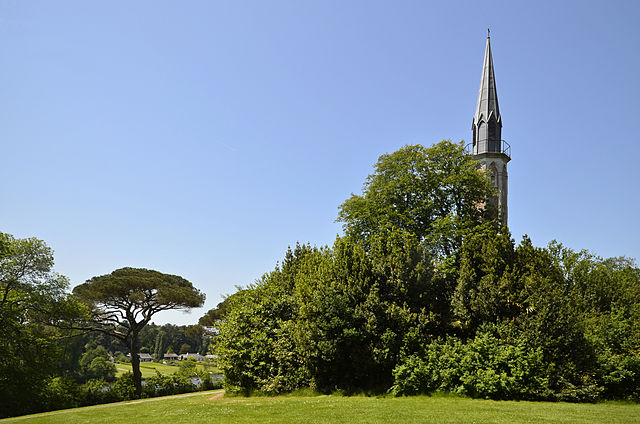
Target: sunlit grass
point(148, 369)
point(207, 408)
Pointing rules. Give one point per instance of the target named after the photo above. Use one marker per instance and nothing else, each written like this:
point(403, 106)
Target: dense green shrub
point(485, 367)
point(121, 357)
point(164, 385)
point(95, 392)
point(124, 387)
point(209, 381)
point(61, 393)
point(187, 367)
point(620, 376)
point(508, 322)
point(95, 364)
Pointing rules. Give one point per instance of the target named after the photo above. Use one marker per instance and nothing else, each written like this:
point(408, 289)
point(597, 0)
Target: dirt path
point(217, 394)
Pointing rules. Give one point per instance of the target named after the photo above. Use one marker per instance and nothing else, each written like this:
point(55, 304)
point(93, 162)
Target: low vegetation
point(61, 393)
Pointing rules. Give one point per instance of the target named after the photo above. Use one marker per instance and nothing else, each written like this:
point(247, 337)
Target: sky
point(202, 138)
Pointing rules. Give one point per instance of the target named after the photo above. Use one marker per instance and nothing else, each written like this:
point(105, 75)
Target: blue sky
point(201, 138)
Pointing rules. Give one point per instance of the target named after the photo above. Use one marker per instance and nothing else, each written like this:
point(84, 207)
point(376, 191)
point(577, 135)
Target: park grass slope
point(212, 408)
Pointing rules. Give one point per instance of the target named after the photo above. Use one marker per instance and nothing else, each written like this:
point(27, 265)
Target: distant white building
point(196, 356)
point(144, 357)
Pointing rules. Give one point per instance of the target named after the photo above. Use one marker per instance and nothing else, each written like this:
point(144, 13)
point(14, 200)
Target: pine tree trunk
point(135, 364)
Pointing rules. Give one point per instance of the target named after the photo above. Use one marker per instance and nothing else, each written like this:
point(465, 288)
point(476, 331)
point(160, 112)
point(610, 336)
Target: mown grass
point(148, 369)
point(206, 408)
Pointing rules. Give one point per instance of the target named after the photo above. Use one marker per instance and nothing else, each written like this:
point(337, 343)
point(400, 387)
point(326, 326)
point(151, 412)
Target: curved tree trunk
point(135, 364)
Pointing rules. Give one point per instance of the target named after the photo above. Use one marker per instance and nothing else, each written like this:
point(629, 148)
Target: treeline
point(426, 293)
point(48, 357)
point(156, 340)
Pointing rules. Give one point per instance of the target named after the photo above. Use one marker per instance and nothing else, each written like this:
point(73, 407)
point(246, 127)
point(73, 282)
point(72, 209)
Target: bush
point(486, 367)
point(209, 381)
point(95, 364)
point(620, 376)
point(436, 370)
point(164, 385)
point(182, 384)
point(188, 367)
point(61, 393)
point(101, 368)
point(95, 392)
point(121, 357)
point(586, 391)
point(124, 387)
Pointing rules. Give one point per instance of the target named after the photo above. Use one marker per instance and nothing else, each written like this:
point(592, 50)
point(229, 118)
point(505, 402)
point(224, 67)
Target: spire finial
point(488, 32)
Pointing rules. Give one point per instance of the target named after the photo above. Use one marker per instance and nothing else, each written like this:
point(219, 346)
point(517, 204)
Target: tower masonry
point(488, 148)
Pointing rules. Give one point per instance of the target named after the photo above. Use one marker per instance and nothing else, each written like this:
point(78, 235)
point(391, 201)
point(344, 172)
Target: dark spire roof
point(487, 123)
point(488, 95)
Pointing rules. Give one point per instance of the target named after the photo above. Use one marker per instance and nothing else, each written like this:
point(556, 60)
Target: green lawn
point(205, 408)
point(148, 368)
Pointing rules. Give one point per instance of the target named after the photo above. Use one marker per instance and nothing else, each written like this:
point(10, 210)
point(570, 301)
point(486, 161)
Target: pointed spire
point(487, 123)
point(491, 152)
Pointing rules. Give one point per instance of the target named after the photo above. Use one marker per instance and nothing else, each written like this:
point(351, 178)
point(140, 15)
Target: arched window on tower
point(493, 171)
point(493, 135)
point(482, 137)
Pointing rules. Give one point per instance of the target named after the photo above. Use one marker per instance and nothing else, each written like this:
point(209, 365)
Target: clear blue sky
point(201, 138)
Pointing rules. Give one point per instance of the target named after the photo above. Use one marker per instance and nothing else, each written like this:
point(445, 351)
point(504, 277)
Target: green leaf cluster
point(33, 302)
point(95, 364)
point(432, 192)
point(486, 366)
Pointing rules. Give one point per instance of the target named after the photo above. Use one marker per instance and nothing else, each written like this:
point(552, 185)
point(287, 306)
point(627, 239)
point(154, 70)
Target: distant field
point(148, 368)
point(209, 408)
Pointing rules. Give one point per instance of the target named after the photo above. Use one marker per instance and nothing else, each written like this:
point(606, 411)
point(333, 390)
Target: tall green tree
point(255, 341)
point(32, 298)
point(122, 304)
point(159, 348)
point(433, 192)
point(487, 290)
point(195, 334)
point(359, 310)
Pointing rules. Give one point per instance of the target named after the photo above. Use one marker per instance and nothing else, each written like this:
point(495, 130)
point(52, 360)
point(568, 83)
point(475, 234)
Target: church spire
point(491, 152)
point(487, 122)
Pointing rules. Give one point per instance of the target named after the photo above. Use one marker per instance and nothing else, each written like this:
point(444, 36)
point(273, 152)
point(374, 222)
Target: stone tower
point(488, 146)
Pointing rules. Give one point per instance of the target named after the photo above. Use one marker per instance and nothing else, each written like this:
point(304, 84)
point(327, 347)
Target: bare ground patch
point(217, 396)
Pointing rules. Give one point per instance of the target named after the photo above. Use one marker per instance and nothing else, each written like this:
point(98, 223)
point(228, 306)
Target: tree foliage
point(122, 304)
point(95, 364)
point(43, 360)
point(432, 192)
point(32, 297)
point(422, 294)
point(212, 315)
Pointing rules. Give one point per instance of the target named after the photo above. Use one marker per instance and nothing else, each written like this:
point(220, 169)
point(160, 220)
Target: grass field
point(148, 369)
point(209, 408)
